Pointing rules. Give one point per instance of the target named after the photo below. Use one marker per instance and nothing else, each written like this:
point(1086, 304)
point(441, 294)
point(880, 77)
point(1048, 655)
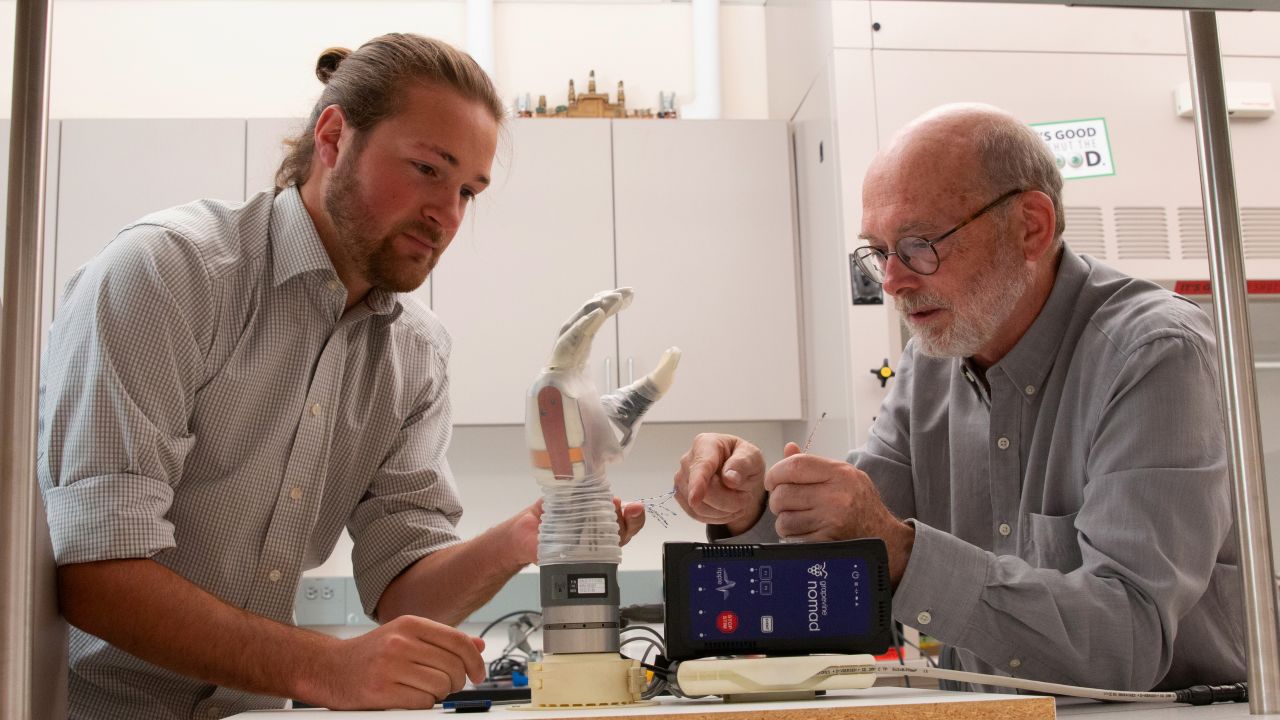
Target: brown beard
point(373, 257)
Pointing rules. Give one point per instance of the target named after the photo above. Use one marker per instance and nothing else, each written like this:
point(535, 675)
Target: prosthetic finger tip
point(626, 293)
point(664, 374)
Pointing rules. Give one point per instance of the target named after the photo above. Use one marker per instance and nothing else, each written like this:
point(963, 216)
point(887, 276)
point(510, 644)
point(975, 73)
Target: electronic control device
point(776, 599)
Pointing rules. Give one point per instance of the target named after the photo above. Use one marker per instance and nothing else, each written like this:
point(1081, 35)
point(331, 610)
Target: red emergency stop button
point(727, 622)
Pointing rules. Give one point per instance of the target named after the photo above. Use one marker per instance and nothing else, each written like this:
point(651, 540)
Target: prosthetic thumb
point(626, 405)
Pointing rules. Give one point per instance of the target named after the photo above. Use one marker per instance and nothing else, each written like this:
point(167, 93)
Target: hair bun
point(328, 63)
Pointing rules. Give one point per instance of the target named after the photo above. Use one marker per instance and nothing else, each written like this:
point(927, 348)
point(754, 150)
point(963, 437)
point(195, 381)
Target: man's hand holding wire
point(721, 482)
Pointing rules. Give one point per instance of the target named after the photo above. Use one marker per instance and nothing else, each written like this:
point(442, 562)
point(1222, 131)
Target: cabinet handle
point(631, 370)
point(608, 374)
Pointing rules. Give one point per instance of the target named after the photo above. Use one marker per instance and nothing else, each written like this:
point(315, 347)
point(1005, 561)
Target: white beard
point(977, 315)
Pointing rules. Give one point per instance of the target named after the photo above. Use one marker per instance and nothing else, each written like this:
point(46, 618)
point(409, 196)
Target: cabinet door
point(533, 248)
point(705, 234)
point(115, 171)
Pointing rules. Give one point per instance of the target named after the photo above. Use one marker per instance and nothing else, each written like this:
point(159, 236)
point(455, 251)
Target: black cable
point(927, 658)
point(897, 646)
point(646, 629)
point(1209, 694)
point(491, 625)
point(642, 613)
point(659, 682)
point(656, 670)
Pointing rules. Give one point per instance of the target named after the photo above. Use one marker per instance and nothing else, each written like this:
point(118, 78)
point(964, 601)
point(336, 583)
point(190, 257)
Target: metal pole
point(1235, 358)
point(31, 671)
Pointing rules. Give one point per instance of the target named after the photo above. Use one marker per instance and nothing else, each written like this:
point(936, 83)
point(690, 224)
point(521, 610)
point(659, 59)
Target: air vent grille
point(1142, 233)
point(1085, 232)
point(1260, 227)
point(1191, 233)
point(727, 551)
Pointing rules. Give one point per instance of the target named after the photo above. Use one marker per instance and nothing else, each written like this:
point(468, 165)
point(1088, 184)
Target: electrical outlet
point(320, 601)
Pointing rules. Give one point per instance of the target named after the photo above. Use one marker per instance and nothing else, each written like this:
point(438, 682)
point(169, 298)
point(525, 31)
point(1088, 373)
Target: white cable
point(1022, 684)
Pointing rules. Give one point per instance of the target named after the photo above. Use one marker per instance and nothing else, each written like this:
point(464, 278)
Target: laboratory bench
point(890, 703)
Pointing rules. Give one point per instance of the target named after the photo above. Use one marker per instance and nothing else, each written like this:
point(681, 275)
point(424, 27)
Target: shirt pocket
point(1053, 542)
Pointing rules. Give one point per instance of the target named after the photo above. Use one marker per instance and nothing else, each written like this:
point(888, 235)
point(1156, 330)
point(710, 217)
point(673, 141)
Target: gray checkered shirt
point(205, 402)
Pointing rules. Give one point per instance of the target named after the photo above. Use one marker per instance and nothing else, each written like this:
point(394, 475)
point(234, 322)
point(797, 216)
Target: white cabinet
point(115, 171)
point(696, 215)
point(704, 224)
point(533, 247)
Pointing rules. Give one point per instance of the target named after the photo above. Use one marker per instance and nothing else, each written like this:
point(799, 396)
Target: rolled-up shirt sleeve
point(120, 371)
point(411, 508)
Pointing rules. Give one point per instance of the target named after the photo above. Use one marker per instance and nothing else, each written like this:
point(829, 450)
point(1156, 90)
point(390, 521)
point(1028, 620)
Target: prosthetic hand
point(571, 432)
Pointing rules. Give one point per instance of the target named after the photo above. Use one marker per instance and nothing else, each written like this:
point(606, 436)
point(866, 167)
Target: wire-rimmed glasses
point(917, 253)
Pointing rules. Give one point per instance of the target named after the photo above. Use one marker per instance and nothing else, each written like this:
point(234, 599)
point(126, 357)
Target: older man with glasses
point(1048, 471)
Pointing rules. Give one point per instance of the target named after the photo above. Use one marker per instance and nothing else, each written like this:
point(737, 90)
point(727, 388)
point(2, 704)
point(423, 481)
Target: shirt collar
point(1031, 359)
point(295, 244)
point(296, 249)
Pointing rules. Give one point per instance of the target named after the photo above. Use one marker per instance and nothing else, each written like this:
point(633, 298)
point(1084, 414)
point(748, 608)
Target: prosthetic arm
point(573, 433)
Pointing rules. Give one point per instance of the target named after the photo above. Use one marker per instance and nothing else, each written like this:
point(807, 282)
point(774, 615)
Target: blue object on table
point(467, 706)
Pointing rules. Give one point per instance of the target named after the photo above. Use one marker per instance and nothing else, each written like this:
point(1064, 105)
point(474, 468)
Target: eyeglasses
point(918, 254)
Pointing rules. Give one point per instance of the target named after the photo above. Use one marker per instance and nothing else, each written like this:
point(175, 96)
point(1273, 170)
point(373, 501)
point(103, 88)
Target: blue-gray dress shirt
point(1072, 508)
point(207, 403)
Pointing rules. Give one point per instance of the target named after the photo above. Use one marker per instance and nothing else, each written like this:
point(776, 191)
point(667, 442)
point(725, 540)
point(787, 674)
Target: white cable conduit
point(480, 33)
point(706, 62)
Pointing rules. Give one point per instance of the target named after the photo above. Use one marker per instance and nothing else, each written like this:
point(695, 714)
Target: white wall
point(255, 58)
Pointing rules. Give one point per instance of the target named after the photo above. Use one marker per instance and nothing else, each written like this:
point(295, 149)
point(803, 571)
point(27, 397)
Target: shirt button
point(1030, 389)
point(1002, 443)
point(1005, 529)
point(1015, 663)
point(924, 618)
point(296, 493)
point(315, 408)
point(332, 284)
point(274, 576)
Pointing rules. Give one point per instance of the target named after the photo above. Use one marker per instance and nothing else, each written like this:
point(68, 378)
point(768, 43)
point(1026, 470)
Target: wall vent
point(1142, 233)
point(1191, 233)
point(1260, 227)
point(1085, 232)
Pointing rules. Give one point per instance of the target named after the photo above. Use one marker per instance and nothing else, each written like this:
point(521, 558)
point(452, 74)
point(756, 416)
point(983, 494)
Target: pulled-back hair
point(368, 85)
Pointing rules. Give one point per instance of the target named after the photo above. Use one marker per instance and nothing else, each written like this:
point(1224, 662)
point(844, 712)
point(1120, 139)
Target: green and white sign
point(1080, 147)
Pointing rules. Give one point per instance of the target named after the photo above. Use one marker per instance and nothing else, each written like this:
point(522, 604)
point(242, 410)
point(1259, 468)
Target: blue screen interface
point(783, 599)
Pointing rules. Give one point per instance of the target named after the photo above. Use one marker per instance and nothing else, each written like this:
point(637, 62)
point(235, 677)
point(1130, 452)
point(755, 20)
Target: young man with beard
point(228, 385)
point(1048, 470)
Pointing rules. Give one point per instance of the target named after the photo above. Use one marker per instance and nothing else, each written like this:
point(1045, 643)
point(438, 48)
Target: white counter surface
point(1066, 708)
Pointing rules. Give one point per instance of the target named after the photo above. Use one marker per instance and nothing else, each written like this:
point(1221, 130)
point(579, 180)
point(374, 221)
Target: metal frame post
point(1235, 358)
point(31, 635)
